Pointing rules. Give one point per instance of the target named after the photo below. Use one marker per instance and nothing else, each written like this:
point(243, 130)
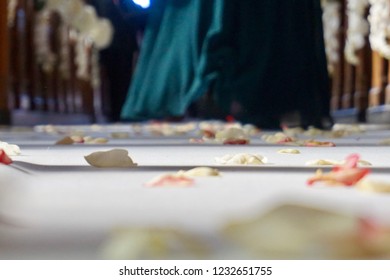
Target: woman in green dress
point(259, 58)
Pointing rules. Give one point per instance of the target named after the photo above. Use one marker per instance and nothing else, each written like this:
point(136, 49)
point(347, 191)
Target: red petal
point(359, 175)
point(4, 158)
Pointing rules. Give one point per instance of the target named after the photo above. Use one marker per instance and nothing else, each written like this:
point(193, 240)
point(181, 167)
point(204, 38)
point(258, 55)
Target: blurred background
point(74, 62)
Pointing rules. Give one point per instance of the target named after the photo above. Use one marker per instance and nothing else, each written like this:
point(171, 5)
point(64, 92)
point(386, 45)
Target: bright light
point(143, 3)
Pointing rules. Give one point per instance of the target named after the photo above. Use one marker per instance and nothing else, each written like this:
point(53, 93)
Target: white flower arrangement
point(87, 30)
point(84, 19)
point(101, 35)
point(331, 18)
point(81, 58)
point(379, 19)
point(358, 29)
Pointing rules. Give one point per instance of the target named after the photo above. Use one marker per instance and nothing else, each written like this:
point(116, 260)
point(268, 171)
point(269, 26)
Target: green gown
point(172, 68)
point(262, 58)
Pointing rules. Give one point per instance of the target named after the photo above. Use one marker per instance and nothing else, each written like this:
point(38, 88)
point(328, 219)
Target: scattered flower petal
point(112, 158)
point(232, 136)
point(243, 159)
point(65, 141)
point(208, 133)
point(77, 139)
point(91, 140)
point(332, 162)
point(170, 180)
point(10, 149)
point(200, 172)
point(347, 174)
point(4, 158)
point(314, 143)
point(120, 135)
point(278, 138)
point(289, 151)
point(197, 141)
point(322, 162)
point(369, 185)
point(236, 142)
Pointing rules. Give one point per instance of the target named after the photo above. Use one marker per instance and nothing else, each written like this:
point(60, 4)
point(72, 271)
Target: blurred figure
point(118, 59)
point(173, 69)
point(258, 59)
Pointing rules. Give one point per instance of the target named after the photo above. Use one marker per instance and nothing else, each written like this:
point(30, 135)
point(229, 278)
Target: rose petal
point(4, 158)
point(347, 174)
point(170, 180)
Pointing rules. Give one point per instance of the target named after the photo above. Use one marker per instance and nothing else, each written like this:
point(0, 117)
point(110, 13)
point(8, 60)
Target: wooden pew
point(4, 109)
point(46, 95)
point(351, 84)
point(363, 83)
point(377, 91)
